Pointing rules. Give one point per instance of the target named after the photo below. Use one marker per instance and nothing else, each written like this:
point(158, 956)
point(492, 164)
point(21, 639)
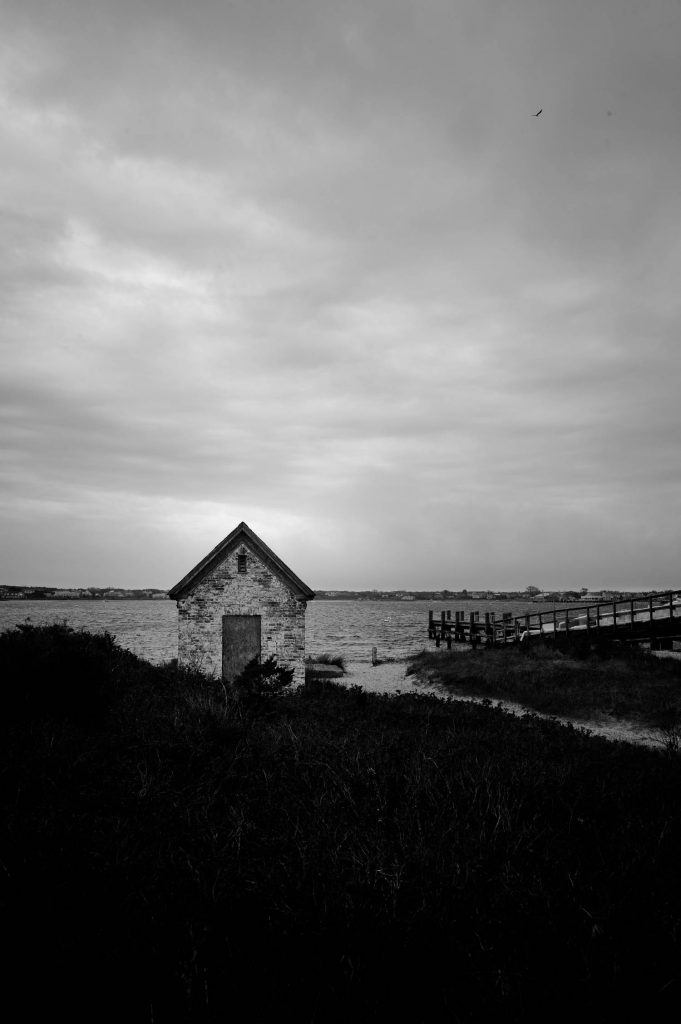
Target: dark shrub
point(57, 672)
point(260, 681)
point(342, 856)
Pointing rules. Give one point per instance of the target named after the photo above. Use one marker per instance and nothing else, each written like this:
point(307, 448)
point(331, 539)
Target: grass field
point(170, 853)
point(623, 682)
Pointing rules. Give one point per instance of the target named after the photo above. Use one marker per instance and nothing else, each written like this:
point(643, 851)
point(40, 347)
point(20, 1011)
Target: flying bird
point(538, 112)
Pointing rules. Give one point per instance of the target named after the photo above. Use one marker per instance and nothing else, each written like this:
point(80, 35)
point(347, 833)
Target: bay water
point(350, 628)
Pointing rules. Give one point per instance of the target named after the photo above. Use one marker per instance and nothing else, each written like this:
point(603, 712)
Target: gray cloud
point(316, 266)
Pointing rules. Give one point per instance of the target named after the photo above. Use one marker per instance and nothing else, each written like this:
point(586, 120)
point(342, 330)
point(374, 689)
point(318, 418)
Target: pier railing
point(654, 617)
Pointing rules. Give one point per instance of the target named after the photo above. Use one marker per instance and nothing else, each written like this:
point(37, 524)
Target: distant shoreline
point(160, 595)
point(27, 593)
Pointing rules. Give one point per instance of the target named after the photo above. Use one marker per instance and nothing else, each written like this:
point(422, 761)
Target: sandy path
point(390, 677)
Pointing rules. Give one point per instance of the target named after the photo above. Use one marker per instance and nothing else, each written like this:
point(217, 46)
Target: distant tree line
point(531, 593)
point(30, 593)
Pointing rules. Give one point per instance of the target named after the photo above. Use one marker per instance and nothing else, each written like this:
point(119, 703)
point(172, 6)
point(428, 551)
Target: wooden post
point(652, 623)
point(471, 627)
point(431, 629)
point(631, 611)
point(598, 620)
point(488, 629)
point(555, 625)
point(614, 617)
point(527, 627)
point(374, 656)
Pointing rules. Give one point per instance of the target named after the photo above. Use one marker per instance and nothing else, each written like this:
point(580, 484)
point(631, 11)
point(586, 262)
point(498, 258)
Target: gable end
point(241, 534)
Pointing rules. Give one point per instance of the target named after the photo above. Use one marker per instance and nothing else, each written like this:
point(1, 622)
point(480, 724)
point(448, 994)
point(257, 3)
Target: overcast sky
point(315, 265)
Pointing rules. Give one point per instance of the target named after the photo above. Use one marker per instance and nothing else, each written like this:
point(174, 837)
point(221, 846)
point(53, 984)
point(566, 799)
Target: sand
point(386, 677)
point(390, 677)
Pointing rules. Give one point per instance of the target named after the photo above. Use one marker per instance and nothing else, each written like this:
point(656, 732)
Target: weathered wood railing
point(655, 618)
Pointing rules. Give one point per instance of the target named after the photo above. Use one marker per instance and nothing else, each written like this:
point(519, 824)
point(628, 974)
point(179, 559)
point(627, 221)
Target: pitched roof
point(241, 532)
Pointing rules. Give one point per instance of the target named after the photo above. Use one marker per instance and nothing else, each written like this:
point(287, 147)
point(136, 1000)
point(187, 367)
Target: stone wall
point(226, 591)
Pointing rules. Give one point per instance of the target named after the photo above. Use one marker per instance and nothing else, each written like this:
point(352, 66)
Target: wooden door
point(240, 644)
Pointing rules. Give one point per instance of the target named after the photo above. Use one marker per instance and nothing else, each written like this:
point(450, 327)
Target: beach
point(390, 677)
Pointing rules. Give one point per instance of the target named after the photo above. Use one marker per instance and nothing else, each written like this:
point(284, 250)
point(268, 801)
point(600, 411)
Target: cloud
point(316, 266)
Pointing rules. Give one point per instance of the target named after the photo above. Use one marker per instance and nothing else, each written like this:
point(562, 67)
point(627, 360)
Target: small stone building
point(238, 603)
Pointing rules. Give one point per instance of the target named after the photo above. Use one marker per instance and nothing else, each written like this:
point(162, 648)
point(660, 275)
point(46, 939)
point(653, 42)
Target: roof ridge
point(303, 592)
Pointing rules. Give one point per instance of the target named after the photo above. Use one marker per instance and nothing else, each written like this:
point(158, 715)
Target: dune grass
point(330, 853)
point(315, 667)
point(622, 682)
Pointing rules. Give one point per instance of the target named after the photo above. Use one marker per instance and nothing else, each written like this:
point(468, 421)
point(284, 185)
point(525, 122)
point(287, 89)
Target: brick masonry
point(226, 591)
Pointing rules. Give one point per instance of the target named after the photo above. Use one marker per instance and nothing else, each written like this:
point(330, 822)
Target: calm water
point(350, 628)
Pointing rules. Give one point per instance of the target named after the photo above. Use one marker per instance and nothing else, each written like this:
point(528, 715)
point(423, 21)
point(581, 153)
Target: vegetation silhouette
point(168, 858)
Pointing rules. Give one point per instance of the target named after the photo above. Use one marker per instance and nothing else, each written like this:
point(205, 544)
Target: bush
point(344, 856)
point(260, 681)
point(57, 672)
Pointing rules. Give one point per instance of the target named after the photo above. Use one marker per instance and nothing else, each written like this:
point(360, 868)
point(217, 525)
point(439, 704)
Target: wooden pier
point(654, 619)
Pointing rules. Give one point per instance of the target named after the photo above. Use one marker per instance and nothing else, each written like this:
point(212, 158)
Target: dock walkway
point(654, 619)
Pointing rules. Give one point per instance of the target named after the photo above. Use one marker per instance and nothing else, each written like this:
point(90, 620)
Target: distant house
point(238, 603)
